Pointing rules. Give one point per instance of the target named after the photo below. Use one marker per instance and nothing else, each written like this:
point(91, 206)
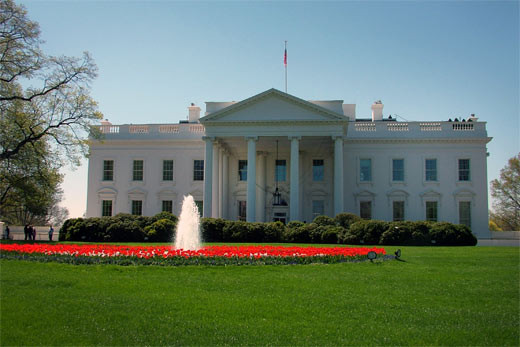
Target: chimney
point(473, 118)
point(193, 113)
point(377, 111)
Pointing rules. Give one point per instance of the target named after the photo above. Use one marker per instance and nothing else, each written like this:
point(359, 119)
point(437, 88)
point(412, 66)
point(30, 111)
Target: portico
point(249, 130)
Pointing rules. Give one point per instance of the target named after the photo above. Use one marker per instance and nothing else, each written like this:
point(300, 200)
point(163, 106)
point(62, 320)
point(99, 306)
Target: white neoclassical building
point(274, 156)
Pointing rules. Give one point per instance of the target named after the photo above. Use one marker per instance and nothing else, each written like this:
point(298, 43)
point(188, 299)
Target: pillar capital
point(209, 138)
point(337, 137)
point(249, 138)
point(294, 138)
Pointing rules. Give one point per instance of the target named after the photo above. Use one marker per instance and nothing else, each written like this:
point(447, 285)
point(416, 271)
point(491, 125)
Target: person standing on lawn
point(7, 232)
point(26, 232)
point(51, 231)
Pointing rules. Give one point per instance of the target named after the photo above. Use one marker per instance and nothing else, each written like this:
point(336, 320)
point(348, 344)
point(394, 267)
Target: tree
point(46, 114)
point(506, 194)
point(56, 105)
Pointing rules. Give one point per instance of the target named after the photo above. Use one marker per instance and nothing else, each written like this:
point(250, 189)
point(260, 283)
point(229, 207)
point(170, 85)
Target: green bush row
point(120, 228)
point(345, 228)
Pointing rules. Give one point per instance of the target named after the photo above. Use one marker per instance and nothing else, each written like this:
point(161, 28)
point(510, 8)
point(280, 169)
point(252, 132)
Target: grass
point(437, 296)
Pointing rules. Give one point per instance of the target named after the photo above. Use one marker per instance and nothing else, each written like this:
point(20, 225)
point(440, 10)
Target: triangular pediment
point(273, 106)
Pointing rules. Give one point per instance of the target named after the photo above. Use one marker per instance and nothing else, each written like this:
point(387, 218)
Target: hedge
point(345, 228)
point(122, 227)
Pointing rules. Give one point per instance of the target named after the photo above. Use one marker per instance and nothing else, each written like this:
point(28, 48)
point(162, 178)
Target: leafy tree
point(506, 194)
point(46, 113)
point(55, 105)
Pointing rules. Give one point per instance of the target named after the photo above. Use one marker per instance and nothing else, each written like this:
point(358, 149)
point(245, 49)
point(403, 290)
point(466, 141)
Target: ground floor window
point(137, 207)
point(398, 211)
point(465, 213)
point(365, 209)
point(167, 206)
point(431, 211)
point(106, 208)
point(280, 217)
point(318, 208)
point(242, 209)
point(200, 206)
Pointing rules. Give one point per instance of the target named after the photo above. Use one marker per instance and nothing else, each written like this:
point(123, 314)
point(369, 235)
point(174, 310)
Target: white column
point(220, 179)
point(338, 174)
point(260, 188)
point(208, 179)
point(225, 202)
point(251, 179)
point(294, 209)
point(214, 205)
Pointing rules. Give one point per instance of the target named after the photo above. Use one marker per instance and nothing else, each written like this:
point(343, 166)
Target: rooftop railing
point(136, 131)
point(355, 130)
point(417, 129)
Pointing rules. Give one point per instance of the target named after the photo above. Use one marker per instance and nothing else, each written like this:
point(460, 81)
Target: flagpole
point(285, 63)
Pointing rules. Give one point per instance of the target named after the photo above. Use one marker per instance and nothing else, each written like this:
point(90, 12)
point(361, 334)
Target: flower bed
point(166, 255)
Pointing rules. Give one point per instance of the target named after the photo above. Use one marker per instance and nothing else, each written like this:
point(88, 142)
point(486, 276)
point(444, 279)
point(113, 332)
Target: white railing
point(365, 126)
point(462, 126)
point(138, 129)
point(417, 129)
point(109, 129)
point(397, 126)
point(430, 126)
point(125, 130)
point(196, 128)
point(169, 128)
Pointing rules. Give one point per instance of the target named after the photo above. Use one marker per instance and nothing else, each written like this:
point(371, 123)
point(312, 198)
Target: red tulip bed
point(167, 255)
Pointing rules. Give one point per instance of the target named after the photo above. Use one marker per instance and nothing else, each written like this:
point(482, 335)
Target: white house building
point(274, 156)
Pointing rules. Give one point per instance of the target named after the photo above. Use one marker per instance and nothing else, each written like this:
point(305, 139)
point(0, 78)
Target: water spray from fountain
point(187, 235)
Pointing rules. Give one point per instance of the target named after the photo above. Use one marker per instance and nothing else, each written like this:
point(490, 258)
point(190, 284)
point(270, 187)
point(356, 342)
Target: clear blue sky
point(424, 60)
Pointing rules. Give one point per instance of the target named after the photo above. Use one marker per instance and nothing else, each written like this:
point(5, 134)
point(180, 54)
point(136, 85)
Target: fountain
point(187, 235)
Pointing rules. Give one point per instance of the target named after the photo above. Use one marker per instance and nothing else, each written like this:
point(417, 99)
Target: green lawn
point(437, 296)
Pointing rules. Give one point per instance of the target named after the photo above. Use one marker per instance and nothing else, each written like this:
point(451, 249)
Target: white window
point(365, 209)
point(108, 170)
point(106, 208)
point(280, 174)
point(242, 209)
point(465, 213)
point(198, 170)
point(430, 166)
point(200, 205)
point(137, 207)
point(167, 173)
point(167, 206)
point(317, 170)
point(398, 170)
point(464, 171)
point(398, 211)
point(242, 170)
point(138, 167)
point(431, 211)
point(365, 170)
point(318, 208)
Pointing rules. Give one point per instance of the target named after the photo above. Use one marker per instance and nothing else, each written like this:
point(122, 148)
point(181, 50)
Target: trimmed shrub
point(324, 220)
point(331, 234)
point(407, 234)
point(160, 231)
point(125, 231)
point(366, 232)
point(213, 229)
point(298, 232)
point(273, 231)
point(164, 215)
point(345, 219)
point(447, 234)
